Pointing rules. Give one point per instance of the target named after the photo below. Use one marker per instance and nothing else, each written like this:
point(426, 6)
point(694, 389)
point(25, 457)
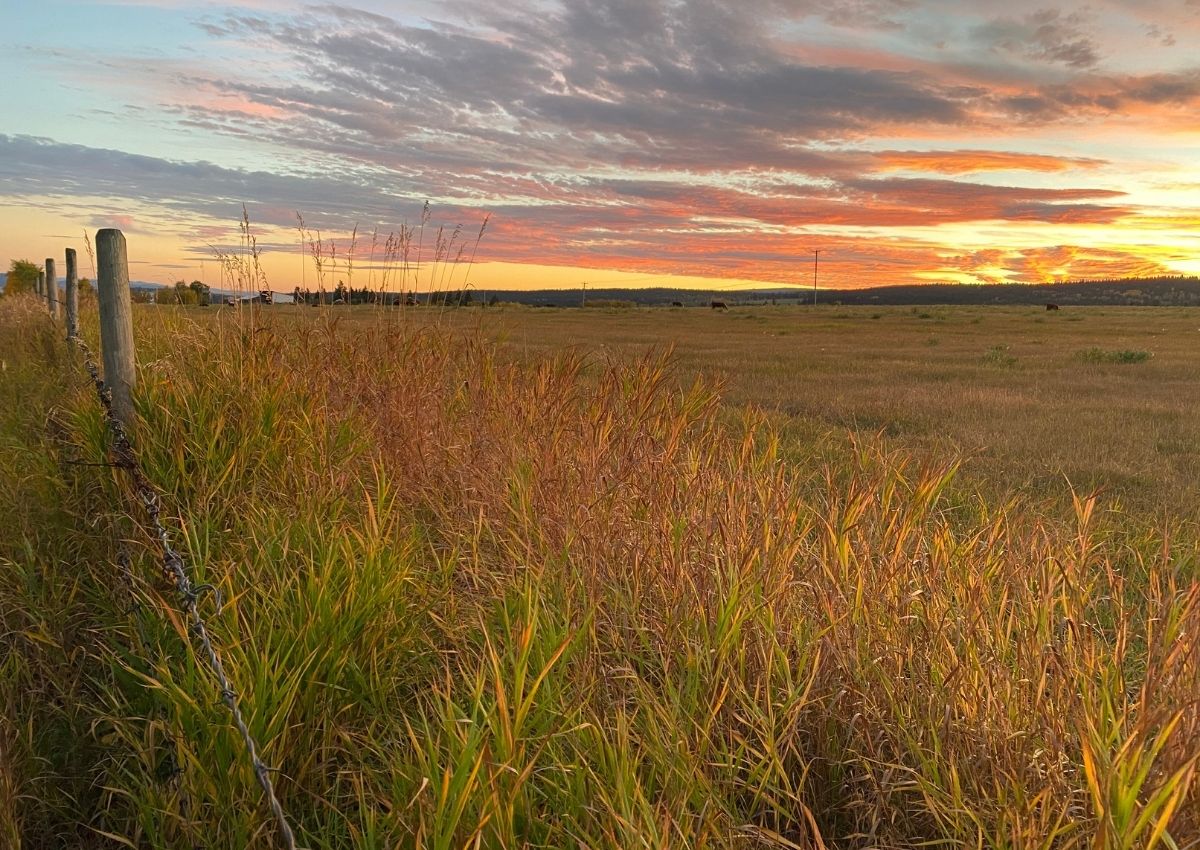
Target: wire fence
point(175, 572)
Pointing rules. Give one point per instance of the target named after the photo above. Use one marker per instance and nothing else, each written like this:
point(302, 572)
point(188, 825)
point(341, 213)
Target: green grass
point(998, 355)
point(1100, 355)
point(480, 595)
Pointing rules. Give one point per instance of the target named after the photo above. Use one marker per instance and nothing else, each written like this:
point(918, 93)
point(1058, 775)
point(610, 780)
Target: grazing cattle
point(1050, 307)
point(720, 305)
point(676, 303)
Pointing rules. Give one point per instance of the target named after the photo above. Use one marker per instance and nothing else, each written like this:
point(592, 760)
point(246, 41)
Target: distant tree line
point(1164, 291)
point(193, 294)
point(23, 277)
point(343, 294)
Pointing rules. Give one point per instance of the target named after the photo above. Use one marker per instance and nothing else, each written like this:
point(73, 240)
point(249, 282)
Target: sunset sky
point(641, 142)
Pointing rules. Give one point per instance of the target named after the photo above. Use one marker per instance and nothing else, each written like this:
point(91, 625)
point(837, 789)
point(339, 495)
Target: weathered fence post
point(116, 320)
point(51, 288)
point(72, 295)
point(41, 284)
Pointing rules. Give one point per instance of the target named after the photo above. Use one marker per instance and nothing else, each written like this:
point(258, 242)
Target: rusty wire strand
point(175, 573)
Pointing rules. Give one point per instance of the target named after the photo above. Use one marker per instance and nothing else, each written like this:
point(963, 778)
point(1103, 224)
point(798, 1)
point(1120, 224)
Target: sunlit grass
point(1127, 355)
point(557, 600)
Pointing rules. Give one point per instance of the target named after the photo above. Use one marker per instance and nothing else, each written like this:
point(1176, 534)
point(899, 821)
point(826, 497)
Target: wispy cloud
point(1047, 35)
point(971, 161)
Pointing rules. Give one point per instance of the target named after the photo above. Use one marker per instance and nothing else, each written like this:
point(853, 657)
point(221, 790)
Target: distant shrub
point(611, 303)
point(998, 355)
point(1125, 355)
point(175, 295)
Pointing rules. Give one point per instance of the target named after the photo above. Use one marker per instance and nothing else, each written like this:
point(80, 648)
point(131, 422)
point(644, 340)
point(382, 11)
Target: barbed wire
point(167, 769)
point(175, 573)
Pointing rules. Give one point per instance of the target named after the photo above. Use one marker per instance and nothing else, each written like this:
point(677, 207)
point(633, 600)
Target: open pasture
point(1103, 398)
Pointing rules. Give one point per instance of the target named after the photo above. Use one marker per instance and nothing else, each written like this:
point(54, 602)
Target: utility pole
point(583, 303)
point(816, 254)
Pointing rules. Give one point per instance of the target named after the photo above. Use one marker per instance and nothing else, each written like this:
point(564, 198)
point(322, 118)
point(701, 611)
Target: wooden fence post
point(72, 295)
point(116, 320)
point(41, 284)
point(51, 288)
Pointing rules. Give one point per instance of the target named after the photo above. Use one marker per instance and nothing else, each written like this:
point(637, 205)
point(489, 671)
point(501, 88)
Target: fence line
point(116, 320)
point(72, 295)
point(51, 288)
point(113, 271)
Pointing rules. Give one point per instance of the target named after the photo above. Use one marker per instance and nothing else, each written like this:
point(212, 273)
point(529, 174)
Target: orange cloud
point(971, 161)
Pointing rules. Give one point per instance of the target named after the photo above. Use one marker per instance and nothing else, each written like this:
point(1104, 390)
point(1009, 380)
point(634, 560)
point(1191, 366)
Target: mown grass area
point(497, 595)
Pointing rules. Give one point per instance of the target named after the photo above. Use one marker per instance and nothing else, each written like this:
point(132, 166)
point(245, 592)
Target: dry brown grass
point(1013, 390)
point(555, 599)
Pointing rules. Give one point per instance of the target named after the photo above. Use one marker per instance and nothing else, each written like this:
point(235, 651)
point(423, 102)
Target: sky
point(696, 143)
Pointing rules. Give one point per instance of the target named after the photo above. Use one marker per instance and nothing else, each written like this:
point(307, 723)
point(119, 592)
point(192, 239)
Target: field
point(611, 578)
point(1101, 399)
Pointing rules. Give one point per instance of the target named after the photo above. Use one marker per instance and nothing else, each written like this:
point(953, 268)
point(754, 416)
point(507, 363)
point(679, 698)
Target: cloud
point(686, 135)
point(1053, 263)
point(642, 84)
point(34, 167)
point(968, 161)
point(874, 202)
point(1160, 34)
point(1047, 35)
point(1161, 94)
point(42, 168)
point(753, 231)
point(647, 84)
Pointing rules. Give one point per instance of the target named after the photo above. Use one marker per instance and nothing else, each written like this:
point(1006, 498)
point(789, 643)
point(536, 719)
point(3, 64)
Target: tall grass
point(472, 601)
